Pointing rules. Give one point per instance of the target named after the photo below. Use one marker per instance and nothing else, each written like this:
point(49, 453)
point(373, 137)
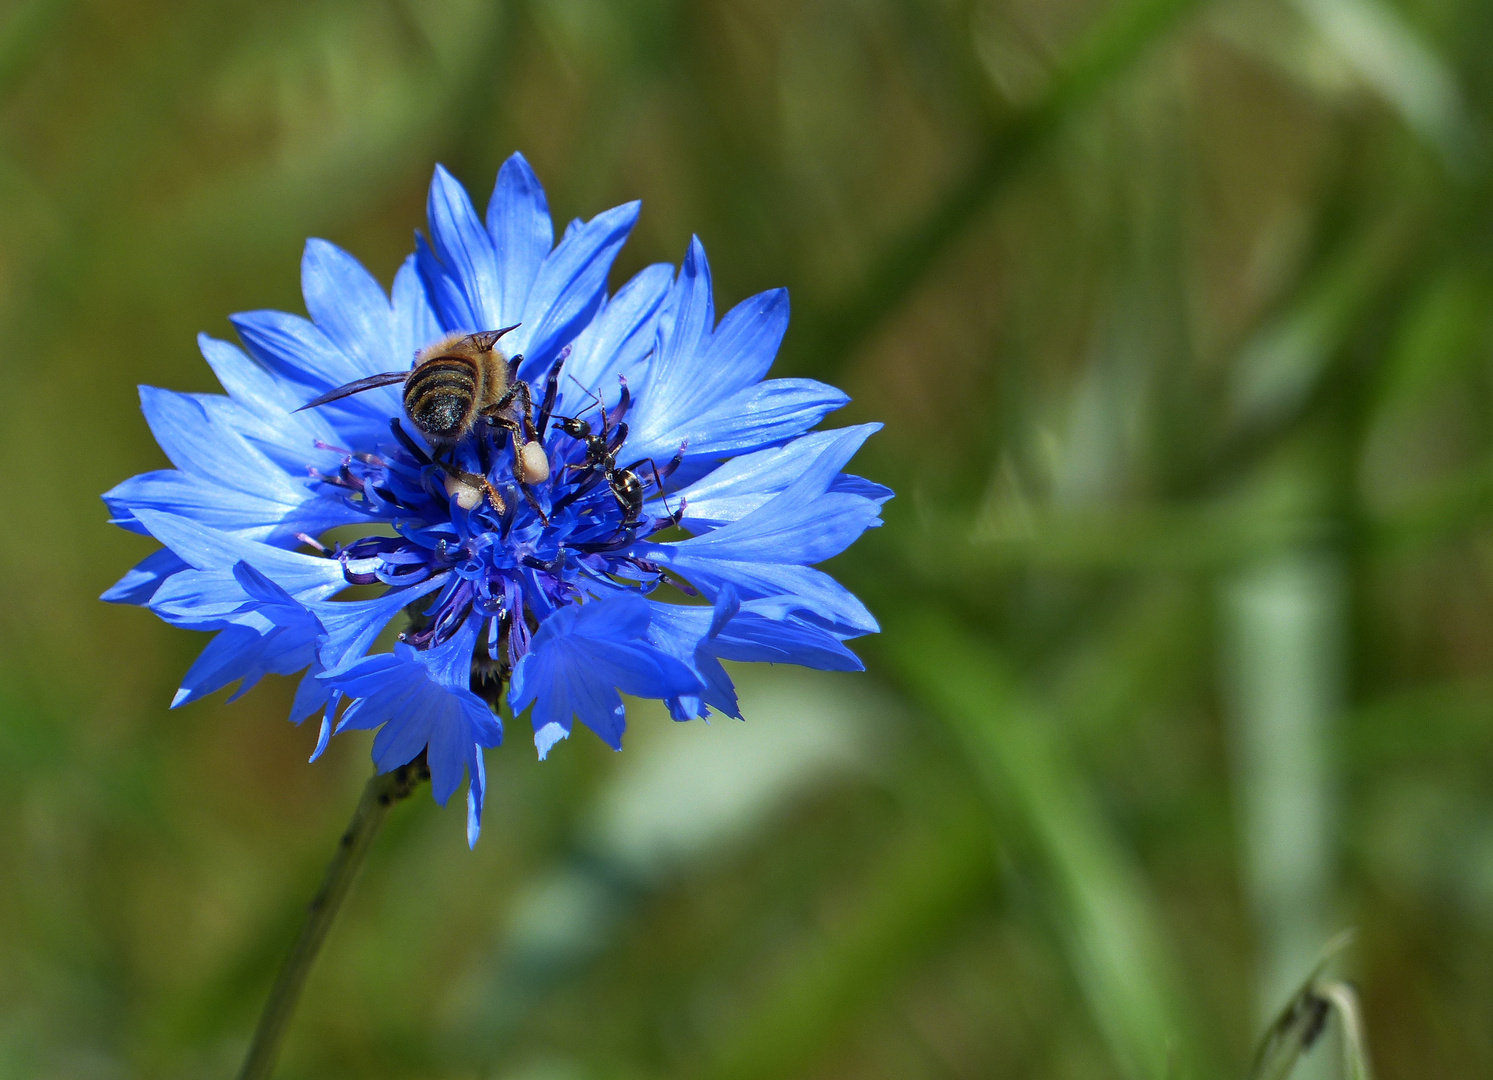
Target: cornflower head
point(530, 466)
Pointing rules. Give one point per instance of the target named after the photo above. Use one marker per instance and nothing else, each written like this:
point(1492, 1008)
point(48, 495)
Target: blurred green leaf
point(1112, 930)
point(828, 335)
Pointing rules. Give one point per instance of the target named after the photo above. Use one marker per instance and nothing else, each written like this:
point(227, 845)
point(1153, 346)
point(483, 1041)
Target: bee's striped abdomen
point(440, 395)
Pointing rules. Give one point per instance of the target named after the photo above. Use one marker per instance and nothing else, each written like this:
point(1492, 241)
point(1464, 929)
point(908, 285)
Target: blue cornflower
point(700, 480)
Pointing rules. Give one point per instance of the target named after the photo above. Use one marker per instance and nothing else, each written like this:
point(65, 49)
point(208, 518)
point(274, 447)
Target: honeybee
point(457, 383)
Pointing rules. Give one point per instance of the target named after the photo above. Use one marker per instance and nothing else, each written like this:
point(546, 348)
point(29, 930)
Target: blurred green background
point(1180, 317)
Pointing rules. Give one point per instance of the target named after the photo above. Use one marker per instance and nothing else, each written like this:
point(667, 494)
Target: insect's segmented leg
point(468, 488)
point(508, 424)
point(521, 390)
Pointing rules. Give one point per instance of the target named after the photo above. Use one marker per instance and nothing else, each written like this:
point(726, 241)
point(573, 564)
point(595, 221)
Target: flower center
point(509, 552)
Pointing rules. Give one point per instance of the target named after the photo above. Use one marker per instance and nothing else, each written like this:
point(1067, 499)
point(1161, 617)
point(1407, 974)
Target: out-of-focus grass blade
point(1387, 54)
point(687, 800)
point(1344, 1001)
point(1118, 40)
point(1283, 674)
point(1111, 928)
point(1200, 536)
point(1282, 362)
point(383, 121)
point(1298, 1027)
point(1283, 369)
point(923, 894)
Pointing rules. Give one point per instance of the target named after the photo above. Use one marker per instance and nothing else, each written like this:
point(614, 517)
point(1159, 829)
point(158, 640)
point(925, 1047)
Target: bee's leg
point(469, 489)
point(504, 401)
point(524, 465)
point(534, 503)
point(408, 443)
point(520, 391)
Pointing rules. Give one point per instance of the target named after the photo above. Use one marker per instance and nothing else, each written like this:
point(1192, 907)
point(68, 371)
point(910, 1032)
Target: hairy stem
point(381, 792)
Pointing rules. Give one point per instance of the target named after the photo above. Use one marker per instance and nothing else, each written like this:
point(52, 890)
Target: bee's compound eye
point(534, 464)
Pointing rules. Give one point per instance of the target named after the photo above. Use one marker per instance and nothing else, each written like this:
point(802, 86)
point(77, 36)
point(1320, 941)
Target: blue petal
point(250, 384)
point(761, 415)
point(744, 483)
point(196, 445)
point(571, 287)
point(447, 750)
point(753, 637)
point(255, 517)
point(805, 523)
point(518, 220)
point(761, 631)
point(295, 349)
point(141, 583)
point(349, 630)
point(310, 697)
point(348, 305)
point(866, 489)
point(203, 600)
point(272, 633)
point(816, 592)
point(579, 659)
point(415, 322)
point(466, 251)
point(683, 331)
point(413, 696)
point(692, 377)
point(261, 407)
point(684, 633)
point(476, 789)
point(233, 595)
point(306, 577)
point(616, 342)
point(352, 626)
point(227, 658)
point(446, 293)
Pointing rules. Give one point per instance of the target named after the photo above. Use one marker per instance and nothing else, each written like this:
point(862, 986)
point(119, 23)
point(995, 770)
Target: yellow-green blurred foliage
point(1180, 318)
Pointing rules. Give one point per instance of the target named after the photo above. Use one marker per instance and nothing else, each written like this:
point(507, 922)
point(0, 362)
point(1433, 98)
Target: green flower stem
point(381, 792)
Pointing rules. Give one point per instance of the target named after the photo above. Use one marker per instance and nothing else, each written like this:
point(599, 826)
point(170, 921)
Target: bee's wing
point(387, 378)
